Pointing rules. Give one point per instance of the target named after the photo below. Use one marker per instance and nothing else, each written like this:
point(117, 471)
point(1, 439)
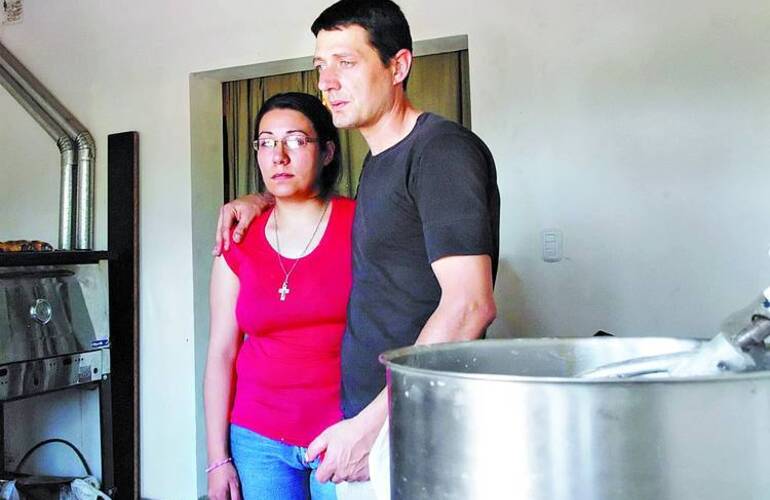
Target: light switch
point(553, 242)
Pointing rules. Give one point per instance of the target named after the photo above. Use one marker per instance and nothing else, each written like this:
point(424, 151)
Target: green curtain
point(437, 83)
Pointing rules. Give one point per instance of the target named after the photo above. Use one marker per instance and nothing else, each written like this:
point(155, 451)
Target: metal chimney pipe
point(86, 150)
point(84, 222)
point(66, 151)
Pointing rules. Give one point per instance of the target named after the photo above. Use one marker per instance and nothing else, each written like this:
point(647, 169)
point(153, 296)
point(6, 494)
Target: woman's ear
point(328, 153)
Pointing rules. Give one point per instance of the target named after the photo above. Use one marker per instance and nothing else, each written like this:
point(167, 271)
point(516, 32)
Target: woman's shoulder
point(344, 203)
point(343, 210)
point(255, 230)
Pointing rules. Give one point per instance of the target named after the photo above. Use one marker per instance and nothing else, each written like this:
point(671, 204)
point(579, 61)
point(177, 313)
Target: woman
point(285, 286)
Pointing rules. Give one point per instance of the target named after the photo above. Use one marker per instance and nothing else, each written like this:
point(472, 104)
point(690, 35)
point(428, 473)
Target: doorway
point(437, 83)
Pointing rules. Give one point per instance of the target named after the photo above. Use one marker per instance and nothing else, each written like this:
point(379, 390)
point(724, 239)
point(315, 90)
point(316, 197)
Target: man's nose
point(327, 80)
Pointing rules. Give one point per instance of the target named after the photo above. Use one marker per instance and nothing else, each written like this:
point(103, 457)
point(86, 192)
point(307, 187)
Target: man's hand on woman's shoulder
point(240, 212)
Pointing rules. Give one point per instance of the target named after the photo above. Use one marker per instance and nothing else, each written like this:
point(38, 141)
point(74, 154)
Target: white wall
point(637, 128)
point(29, 176)
point(640, 130)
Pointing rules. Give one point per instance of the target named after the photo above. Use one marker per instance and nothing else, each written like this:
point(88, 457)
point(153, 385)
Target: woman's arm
point(218, 383)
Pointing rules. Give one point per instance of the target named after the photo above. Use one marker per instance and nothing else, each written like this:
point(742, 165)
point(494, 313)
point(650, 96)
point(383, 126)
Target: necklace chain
point(285, 286)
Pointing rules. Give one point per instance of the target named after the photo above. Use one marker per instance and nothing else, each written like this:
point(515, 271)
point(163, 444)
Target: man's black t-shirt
point(431, 195)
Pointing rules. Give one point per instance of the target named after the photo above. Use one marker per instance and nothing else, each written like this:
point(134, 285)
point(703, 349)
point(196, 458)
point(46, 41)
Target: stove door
point(43, 313)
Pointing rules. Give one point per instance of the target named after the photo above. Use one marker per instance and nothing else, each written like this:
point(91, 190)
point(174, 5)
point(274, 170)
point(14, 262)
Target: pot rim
point(390, 360)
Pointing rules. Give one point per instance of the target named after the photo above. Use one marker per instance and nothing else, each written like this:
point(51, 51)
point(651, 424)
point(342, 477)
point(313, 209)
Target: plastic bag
point(86, 488)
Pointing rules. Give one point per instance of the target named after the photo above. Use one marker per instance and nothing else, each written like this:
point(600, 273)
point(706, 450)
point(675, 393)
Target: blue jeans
point(271, 470)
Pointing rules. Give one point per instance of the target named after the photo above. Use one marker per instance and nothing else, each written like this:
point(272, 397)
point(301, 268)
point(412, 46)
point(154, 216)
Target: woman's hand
point(224, 483)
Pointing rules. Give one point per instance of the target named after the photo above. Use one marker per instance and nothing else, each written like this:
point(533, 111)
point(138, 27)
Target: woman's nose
point(279, 154)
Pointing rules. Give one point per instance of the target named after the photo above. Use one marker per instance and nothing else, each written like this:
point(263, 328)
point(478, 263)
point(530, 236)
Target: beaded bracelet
point(219, 464)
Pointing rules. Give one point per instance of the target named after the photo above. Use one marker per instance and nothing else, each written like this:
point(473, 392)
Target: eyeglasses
point(291, 142)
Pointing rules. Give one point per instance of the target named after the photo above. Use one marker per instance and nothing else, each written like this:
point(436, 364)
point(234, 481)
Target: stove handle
point(41, 311)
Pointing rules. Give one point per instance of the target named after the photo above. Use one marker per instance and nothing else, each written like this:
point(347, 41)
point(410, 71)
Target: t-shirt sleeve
point(233, 256)
point(450, 184)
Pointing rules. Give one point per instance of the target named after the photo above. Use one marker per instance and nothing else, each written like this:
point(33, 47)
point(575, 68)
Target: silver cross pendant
point(283, 291)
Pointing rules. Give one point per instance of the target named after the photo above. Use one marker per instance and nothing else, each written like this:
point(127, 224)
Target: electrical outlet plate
point(11, 12)
point(552, 244)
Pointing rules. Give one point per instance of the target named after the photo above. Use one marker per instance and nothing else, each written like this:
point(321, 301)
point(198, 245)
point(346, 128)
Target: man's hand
point(346, 445)
point(242, 210)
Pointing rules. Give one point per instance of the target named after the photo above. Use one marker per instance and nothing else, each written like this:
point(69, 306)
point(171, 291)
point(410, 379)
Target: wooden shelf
point(55, 257)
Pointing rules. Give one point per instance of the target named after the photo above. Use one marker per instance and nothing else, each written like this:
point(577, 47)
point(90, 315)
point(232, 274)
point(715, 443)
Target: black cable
point(55, 440)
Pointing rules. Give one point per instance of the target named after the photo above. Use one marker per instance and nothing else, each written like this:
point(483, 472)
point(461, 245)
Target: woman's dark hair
point(384, 21)
point(312, 107)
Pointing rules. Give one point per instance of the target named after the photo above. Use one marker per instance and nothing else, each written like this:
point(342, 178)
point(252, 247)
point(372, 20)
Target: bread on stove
point(25, 246)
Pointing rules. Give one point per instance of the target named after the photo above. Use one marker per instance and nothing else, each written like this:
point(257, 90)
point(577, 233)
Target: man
point(426, 229)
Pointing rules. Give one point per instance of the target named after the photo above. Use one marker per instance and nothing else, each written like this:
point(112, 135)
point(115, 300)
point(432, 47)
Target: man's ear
point(328, 153)
point(401, 63)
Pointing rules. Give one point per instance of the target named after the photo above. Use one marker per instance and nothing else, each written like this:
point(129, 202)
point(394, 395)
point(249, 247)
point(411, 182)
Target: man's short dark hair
point(384, 21)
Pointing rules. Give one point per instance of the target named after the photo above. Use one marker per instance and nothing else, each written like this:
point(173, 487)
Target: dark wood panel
point(123, 245)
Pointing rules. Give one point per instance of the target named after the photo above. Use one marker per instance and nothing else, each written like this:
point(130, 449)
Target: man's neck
point(391, 127)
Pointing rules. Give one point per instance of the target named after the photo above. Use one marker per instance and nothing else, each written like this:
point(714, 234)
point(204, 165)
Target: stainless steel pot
point(508, 419)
